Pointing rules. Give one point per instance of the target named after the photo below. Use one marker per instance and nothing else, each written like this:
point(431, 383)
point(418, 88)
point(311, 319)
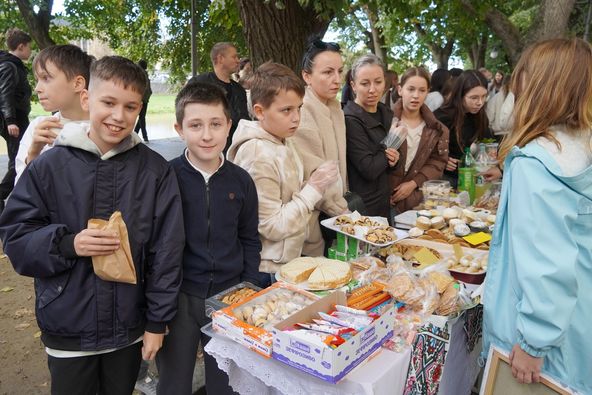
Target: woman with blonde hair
point(537, 295)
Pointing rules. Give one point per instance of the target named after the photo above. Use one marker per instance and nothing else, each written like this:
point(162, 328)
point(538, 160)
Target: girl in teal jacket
point(537, 301)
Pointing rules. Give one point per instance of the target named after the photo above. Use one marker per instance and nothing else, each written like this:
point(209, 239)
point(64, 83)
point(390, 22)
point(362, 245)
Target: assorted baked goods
point(238, 296)
point(381, 235)
point(272, 307)
point(372, 230)
point(320, 273)
point(452, 224)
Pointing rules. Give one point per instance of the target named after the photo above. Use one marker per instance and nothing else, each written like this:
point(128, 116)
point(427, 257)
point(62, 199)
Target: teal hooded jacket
point(538, 290)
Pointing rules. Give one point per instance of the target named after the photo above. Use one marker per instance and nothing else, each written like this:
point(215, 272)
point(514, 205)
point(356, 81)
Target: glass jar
point(436, 193)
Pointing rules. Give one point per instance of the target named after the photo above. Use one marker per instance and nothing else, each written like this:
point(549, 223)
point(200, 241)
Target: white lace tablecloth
point(250, 373)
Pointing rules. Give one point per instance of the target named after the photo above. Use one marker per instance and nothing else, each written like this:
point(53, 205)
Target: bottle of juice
point(467, 173)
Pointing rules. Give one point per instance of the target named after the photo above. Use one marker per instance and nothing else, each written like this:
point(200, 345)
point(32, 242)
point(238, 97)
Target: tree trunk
point(588, 18)
point(551, 21)
point(37, 23)
point(279, 34)
point(378, 42)
point(440, 55)
point(478, 51)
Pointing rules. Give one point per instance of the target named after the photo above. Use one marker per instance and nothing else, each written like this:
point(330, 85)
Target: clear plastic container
point(436, 193)
point(491, 149)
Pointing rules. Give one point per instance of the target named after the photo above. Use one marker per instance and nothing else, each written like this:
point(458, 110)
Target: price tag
point(477, 238)
point(425, 258)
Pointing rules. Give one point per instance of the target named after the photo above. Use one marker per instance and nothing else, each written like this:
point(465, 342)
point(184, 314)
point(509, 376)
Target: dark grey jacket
point(15, 91)
point(54, 199)
point(367, 165)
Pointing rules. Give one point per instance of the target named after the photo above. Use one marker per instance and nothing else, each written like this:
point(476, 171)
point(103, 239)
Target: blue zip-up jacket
point(54, 199)
point(221, 220)
point(539, 280)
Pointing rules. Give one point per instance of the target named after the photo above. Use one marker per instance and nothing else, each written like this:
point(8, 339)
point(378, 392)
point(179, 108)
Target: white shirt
point(27, 140)
point(434, 100)
point(575, 154)
point(205, 174)
point(413, 137)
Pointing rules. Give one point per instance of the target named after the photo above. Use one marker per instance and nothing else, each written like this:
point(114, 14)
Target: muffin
point(423, 223)
point(438, 222)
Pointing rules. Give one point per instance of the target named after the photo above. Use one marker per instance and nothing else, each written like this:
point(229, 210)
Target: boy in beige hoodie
point(287, 227)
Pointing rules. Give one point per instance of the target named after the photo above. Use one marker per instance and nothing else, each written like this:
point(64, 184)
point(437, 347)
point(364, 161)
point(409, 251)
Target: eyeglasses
point(476, 99)
point(320, 44)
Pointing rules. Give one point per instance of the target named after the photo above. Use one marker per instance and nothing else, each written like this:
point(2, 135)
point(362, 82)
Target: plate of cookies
point(372, 230)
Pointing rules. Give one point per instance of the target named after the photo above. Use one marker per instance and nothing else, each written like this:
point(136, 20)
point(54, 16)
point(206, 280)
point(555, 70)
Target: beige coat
point(287, 225)
point(321, 137)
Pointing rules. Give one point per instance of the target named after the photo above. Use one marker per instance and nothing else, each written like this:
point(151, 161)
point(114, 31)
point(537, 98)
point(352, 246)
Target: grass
point(159, 104)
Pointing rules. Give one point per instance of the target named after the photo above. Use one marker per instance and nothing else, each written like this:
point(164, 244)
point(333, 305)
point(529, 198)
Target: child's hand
point(525, 368)
point(452, 164)
point(403, 191)
point(96, 242)
point(325, 175)
point(152, 343)
point(43, 134)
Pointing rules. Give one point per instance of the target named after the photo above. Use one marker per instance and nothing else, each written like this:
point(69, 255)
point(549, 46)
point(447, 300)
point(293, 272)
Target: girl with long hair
point(537, 294)
point(463, 113)
point(424, 153)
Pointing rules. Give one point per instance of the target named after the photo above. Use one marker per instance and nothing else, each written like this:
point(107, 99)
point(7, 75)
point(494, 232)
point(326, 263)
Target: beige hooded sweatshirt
point(287, 226)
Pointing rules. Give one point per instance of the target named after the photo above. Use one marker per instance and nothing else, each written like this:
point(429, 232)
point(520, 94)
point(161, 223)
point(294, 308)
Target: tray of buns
point(372, 230)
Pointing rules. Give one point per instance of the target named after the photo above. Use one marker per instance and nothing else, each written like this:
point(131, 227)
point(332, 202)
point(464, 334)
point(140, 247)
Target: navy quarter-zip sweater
point(222, 244)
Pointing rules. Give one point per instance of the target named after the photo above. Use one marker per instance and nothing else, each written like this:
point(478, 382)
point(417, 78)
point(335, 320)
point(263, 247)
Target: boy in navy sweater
point(222, 245)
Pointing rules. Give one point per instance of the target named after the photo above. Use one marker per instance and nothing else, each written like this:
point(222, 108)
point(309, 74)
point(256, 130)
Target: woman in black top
point(464, 115)
point(367, 122)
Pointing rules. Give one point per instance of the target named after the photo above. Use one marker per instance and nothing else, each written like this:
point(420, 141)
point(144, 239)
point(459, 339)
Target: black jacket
point(15, 91)
point(468, 135)
point(56, 196)
point(236, 96)
point(221, 221)
point(367, 165)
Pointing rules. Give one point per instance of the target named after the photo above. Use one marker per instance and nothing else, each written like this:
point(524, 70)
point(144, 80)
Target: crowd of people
point(261, 168)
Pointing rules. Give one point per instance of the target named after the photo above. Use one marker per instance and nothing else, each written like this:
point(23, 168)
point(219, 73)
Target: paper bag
point(118, 266)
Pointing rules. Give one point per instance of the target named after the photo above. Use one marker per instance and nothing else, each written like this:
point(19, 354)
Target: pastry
point(423, 223)
point(415, 232)
point(343, 219)
point(490, 218)
point(441, 280)
point(438, 222)
point(478, 226)
point(468, 215)
point(436, 234)
point(456, 221)
point(450, 213)
point(330, 274)
point(298, 269)
point(461, 230)
point(380, 236)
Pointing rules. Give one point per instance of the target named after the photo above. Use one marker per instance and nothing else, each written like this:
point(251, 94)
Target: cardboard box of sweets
point(250, 322)
point(214, 303)
point(327, 363)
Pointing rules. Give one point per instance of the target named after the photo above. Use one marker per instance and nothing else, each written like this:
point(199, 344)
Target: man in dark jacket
point(226, 62)
point(15, 100)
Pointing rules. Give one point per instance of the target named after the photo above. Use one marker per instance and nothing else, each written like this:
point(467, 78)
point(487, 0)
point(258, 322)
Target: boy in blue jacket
point(221, 220)
point(97, 331)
